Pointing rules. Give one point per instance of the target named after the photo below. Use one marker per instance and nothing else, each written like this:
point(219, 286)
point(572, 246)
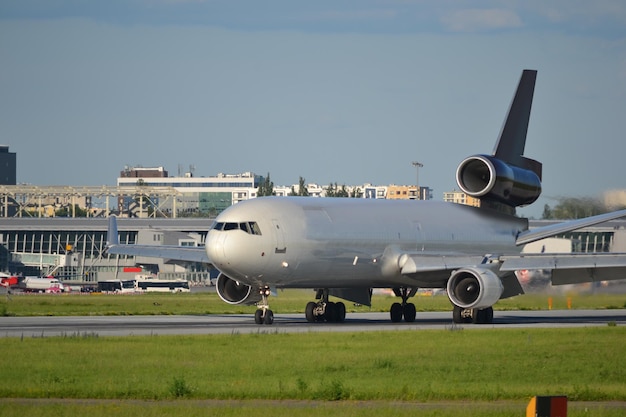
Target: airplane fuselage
point(304, 242)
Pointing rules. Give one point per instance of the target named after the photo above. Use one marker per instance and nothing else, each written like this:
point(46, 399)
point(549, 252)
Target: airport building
point(459, 197)
point(73, 250)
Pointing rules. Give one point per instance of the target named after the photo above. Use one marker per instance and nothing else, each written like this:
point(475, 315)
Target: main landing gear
point(404, 309)
point(264, 315)
point(472, 315)
point(324, 310)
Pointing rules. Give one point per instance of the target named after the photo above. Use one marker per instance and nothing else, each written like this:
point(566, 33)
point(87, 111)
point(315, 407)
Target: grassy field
point(288, 301)
point(490, 372)
point(429, 373)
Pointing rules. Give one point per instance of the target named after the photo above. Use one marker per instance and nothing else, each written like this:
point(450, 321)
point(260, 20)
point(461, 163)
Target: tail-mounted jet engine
point(235, 292)
point(474, 288)
point(484, 176)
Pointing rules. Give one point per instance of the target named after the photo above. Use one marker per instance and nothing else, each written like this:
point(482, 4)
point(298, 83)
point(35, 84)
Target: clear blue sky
point(333, 91)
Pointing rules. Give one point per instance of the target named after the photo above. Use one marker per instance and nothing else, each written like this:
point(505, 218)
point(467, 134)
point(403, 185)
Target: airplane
point(346, 247)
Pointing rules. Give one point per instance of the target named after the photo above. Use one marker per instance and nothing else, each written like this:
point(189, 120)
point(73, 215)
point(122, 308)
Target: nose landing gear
point(264, 315)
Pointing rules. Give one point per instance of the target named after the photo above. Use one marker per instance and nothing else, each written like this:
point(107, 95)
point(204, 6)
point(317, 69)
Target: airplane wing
point(179, 253)
point(564, 227)
point(571, 268)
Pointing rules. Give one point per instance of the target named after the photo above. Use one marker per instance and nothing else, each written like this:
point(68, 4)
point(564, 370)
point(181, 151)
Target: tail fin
point(512, 141)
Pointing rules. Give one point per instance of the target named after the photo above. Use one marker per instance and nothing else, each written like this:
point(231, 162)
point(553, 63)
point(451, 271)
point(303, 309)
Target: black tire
point(269, 317)
point(409, 312)
point(309, 311)
point(395, 312)
point(482, 316)
point(258, 316)
point(456, 315)
point(341, 312)
point(330, 315)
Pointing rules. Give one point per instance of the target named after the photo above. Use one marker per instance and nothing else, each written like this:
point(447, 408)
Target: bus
point(163, 285)
point(117, 286)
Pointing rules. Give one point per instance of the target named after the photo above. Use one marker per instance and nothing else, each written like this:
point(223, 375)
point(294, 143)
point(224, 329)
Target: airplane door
point(280, 238)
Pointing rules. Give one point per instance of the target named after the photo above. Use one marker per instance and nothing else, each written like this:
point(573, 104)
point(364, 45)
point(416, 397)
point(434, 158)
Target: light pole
point(417, 166)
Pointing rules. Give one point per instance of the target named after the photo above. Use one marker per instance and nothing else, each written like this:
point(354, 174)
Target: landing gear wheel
point(341, 312)
point(330, 315)
point(482, 316)
point(258, 316)
point(264, 315)
point(309, 312)
point(403, 310)
point(461, 315)
point(409, 312)
point(324, 310)
point(456, 315)
point(395, 312)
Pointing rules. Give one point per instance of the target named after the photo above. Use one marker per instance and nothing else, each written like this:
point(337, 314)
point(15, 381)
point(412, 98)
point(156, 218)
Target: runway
point(290, 323)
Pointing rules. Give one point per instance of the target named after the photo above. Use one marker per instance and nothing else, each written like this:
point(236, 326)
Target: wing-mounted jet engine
point(506, 179)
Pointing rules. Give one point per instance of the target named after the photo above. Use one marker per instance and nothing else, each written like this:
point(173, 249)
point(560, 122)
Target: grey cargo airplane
point(344, 247)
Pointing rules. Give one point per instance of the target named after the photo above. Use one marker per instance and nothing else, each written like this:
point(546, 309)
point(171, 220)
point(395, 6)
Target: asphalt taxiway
point(290, 323)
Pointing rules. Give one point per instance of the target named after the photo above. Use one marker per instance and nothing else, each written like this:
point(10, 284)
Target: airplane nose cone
point(235, 254)
point(215, 248)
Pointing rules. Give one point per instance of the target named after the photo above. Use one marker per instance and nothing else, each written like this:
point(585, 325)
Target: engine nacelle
point(484, 176)
point(474, 288)
point(235, 292)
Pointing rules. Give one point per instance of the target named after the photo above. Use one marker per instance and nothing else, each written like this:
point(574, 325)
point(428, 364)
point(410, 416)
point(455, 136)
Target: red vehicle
point(7, 280)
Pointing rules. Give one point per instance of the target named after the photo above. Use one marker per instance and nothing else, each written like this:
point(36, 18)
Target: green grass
point(192, 408)
point(288, 301)
point(481, 365)
point(482, 372)
point(429, 373)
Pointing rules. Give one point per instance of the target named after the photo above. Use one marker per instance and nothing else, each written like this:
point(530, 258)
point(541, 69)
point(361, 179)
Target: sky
point(339, 91)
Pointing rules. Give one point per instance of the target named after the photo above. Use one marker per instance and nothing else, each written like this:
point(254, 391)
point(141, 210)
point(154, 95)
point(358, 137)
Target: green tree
point(333, 190)
point(574, 208)
point(302, 189)
point(266, 187)
point(356, 193)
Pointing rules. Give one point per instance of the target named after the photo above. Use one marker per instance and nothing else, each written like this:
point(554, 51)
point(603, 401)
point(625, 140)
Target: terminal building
point(73, 250)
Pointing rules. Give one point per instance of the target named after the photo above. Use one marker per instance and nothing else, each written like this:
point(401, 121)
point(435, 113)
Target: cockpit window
point(252, 228)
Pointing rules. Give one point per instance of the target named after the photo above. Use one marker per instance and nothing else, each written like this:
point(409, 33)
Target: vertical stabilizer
point(510, 145)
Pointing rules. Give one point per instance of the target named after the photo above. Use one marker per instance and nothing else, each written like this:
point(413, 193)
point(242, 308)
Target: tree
point(302, 189)
point(356, 193)
point(331, 190)
point(266, 187)
point(574, 208)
